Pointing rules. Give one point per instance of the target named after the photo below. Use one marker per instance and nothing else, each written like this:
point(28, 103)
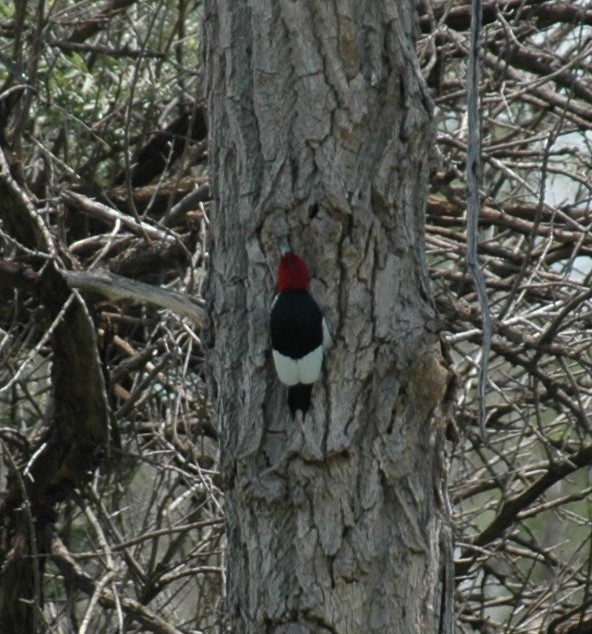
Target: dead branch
point(118, 288)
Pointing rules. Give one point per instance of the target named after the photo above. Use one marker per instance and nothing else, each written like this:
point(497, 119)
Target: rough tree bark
point(321, 133)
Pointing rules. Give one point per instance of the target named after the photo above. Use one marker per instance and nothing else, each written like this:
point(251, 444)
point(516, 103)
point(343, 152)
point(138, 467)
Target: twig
point(513, 506)
point(473, 202)
point(103, 212)
point(74, 574)
point(34, 352)
point(108, 51)
point(17, 208)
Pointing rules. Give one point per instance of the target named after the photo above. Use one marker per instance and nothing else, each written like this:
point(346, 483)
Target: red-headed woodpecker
point(298, 332)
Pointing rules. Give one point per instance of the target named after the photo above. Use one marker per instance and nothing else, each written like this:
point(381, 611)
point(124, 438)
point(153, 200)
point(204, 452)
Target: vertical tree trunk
point(321, 133)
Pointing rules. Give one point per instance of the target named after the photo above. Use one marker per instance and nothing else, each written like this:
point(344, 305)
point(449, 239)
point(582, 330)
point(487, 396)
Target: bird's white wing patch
point(286, 368)
point(309, 367)
point(293, 371)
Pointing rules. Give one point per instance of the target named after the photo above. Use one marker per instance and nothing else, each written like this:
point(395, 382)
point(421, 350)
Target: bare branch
point(79, 579)
point(108, 214)
point(473, 203)
point(116, 288)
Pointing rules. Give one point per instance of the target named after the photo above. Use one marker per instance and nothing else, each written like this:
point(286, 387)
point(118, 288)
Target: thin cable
point(473, 203)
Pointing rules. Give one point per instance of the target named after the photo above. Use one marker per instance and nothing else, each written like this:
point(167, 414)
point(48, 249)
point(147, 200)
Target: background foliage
point(103, 170)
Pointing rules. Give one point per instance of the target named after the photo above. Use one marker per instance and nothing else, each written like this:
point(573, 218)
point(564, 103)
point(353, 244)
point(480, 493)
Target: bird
point(299, 333)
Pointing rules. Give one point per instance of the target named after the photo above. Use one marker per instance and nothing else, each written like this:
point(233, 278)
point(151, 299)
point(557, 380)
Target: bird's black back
point(296, 324)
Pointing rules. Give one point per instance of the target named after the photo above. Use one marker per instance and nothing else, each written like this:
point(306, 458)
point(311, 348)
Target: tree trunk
point(321, 133)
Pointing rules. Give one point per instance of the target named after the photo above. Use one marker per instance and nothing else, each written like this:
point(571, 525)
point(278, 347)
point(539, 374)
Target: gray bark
point(321, 133)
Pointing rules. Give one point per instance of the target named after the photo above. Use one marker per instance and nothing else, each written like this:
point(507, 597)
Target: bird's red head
point(292, 273)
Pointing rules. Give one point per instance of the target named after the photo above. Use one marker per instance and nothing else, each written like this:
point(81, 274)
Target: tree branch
point(74, 574)
point(108, 214)
point(512, 507)
point(473, 204)
point(116, 288)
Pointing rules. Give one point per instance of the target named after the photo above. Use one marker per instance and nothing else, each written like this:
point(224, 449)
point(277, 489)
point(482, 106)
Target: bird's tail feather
point(299, 398)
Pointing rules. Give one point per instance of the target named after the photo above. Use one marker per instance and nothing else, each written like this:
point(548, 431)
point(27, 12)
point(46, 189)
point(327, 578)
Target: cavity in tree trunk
point(321, 133)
